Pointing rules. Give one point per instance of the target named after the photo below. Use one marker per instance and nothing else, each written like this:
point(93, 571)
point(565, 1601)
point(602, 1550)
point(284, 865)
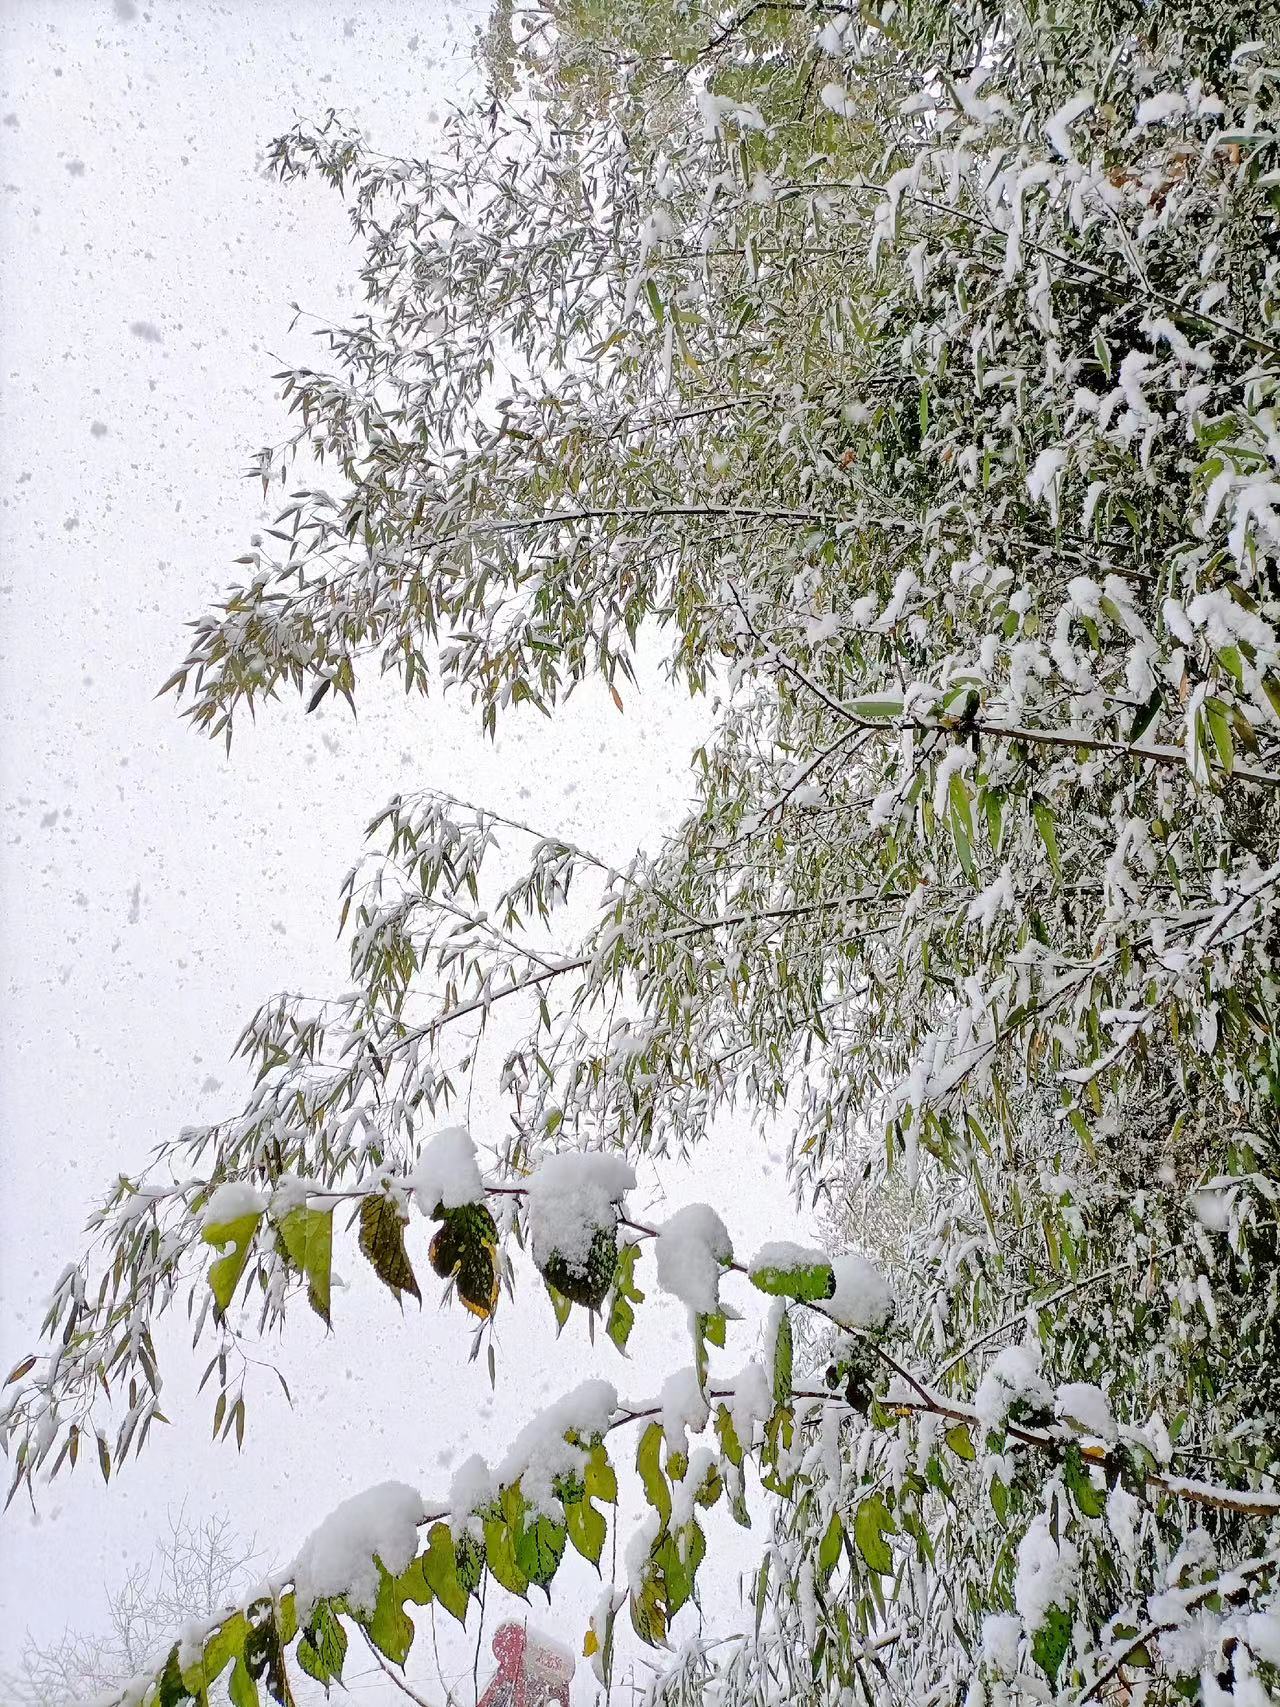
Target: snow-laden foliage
point(912, 369)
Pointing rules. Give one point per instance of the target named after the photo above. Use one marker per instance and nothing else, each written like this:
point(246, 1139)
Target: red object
point(531, 1671)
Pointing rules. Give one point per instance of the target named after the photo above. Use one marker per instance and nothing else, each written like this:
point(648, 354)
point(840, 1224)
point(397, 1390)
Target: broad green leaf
point(500, 1555)
point(391, 1628)
point(382, 1241)
point(586, 1283)
point(829, 1547)
point(241, 1688)
point(649, 1464)
point(730, 1445)
point(600, 1478)
point(539, 1547)
point(872, 1522)
point(958, 1440)
point(465, 1249)
point(322, 1646)
point(1090, 1500)
point(307, 1235)
point(626, 1295)
point(808, 1281)
point(586, 1527)
point(224, 1274)
point(782, 1360)
point(440, 1567)
point(1051, 1641)
point(1042, 812)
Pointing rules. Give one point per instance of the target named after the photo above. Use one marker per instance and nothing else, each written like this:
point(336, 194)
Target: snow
point(1001, 1639)
point(546, 1657)
point(1212, 1208)
point(1042, 482)
point(636, 1554)
point(540, 1454)
point(1083, 1403)
point(1123, 1512)
point(691, 1248)
point(231, 1202)
point(338, 1557)
point(749, 1401)
point(1262, 1633)
point(447, 1172)
point(1159, 109)
point(862, 1298)
point(684, 1407)
point(1046, 1574)
point(472, 1488)
point(1014, 1374)
point(569, 1197)
point(1058, 128)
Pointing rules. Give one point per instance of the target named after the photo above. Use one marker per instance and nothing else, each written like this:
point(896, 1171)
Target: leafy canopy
point(911, 370)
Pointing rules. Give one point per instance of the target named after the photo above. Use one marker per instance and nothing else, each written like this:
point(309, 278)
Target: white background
point(155, 891)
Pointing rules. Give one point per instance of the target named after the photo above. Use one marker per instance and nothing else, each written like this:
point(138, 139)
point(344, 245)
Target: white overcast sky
point(153, 890)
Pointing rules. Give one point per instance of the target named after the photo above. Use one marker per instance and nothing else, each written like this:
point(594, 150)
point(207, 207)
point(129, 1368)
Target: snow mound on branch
point(1014, 1375)
point(690, 1248)
point(338, 1557)
point(1083, 1403)
point(540, 1454)
point(447, 1172)
point(750, 1401)
point(1001, 1639)
point(472, 1487)
point(231, 1202)
point(569, 1197)
point(862, 1298)
point(1046, 1575)
point(684, 1407)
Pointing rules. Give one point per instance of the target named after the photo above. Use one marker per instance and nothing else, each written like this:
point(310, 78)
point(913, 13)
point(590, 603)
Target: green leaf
point(1089, 1499)
point(307, 1236)
point(1043, 814)
point(876, 707)
point(586, 1527)
point(677, 1555)
point(322, 1646)
point(1220, 728)
point(226, 1644)
point(1146, 715)
point(391, 1628)
point(958, 1439)
point(561, 1305)
point(264, 1656)
point(539, 1548)
point(730, 1445)
point(872, 1523)
point(588, 1282)
point(241, 1689)
point(440, 1568)
point(382, 1241)
point(500, 1555)
point(829, 1547)
point(600, 1478)
point(648, 1463)
point(1051, 1641)
point(783, 1352)
point(224, 1274)
point(808, 1281)
point(626, 1295)
point(465, 1249)
point(171, 1688)
point(649, 1612)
